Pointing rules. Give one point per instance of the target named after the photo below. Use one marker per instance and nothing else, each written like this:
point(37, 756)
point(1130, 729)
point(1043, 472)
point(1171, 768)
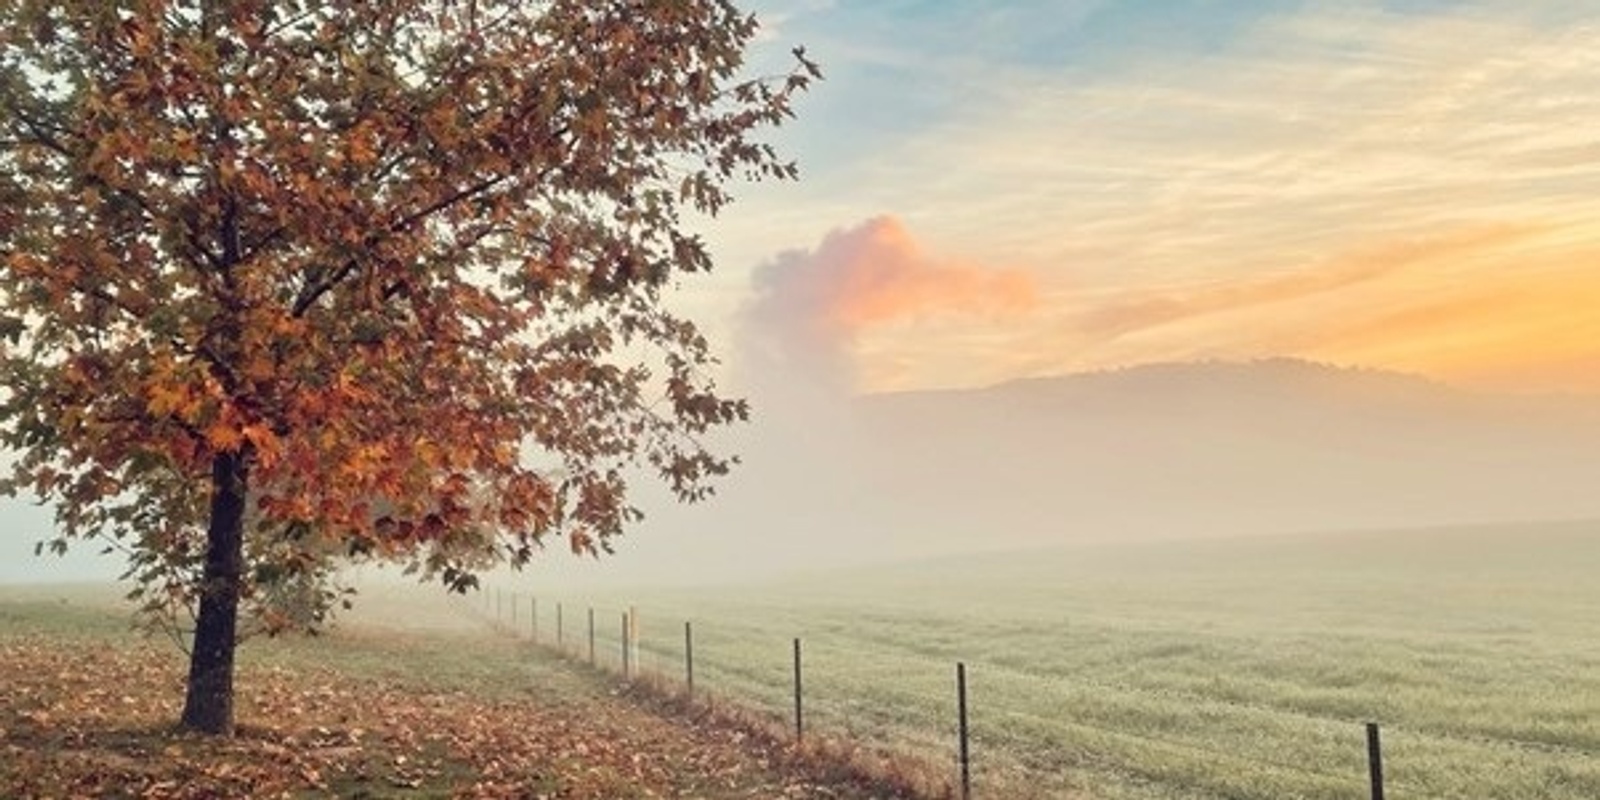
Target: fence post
point(513, 613)
point(533, 618)
point(688, 656)
point(631, 641)
point(626, 661)
point(560, 644)
point(591, 636)
point(799, 717)
point(961, 727)
point(1375, 760)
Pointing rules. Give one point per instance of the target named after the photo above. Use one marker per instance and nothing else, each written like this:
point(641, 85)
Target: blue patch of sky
point(902, 66)
point(1082, 34)
point(897, 68)
point(1121, 33)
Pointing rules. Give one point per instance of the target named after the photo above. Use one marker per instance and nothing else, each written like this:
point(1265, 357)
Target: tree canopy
point(290, 279)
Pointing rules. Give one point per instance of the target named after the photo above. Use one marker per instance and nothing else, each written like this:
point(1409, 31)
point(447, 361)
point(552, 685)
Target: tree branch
point(316, 288)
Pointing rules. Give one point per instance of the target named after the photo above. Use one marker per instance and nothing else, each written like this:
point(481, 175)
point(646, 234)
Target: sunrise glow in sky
point(1001, 190)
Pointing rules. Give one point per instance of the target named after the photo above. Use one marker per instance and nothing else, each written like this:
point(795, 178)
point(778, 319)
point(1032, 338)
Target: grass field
point(1233, 669)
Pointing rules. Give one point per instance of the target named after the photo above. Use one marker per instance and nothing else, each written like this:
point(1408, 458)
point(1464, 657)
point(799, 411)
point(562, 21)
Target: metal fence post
point(961, 717)
point(1375, 760)
point(799, 717)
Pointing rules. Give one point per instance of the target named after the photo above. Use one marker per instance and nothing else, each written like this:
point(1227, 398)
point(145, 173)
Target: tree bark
point(208, 705)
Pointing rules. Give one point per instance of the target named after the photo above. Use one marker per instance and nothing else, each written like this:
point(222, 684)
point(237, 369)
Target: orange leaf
point(223, 437)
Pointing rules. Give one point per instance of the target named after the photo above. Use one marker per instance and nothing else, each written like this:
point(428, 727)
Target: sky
point(992, 191)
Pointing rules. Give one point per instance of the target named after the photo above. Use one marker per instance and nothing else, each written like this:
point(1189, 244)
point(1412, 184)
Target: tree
point(285, 279)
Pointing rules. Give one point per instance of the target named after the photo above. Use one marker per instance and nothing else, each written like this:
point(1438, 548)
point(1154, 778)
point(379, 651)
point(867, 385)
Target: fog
point(1177, 451)
point(831, 477)
point(22, 526)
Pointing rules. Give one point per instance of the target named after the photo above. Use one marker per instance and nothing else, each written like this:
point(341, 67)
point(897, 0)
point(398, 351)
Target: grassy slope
point(1239, 669)
point(86, 709)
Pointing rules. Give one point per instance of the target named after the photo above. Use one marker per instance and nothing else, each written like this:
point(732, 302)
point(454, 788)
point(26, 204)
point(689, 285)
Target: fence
point(995, 749)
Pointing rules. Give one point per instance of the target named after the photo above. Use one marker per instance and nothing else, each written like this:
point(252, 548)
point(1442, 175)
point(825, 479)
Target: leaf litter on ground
point(94, 718)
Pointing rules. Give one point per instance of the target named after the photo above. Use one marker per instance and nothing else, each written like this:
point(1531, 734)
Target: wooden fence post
point(626, 662)
point(688, 656)
point(631, 642)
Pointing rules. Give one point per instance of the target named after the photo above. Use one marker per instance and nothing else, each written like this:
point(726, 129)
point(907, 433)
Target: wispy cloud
point(1529, 327)
point(1309, 174)
point(1170, 304)
point(1314, 131)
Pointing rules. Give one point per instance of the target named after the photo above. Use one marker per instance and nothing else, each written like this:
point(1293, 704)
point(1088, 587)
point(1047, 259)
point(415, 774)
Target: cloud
point(1530, 327)
point(1279, 189)
point(812, 307)
point(1313, 131)
point(1310, 130)
point(1150, 309)
point(1501, 307)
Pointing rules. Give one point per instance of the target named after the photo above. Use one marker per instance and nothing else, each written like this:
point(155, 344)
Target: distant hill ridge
point(1153, 453)
point(1194, 385)
point(1277, 375)
point(1217, 448)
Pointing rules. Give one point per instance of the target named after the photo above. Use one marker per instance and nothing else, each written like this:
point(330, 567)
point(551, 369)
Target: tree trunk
point(208, 706)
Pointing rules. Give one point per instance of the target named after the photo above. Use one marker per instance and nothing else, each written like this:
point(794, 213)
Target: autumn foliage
point(289, 281)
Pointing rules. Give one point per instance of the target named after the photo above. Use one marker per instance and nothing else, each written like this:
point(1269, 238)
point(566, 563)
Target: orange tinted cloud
point(812, 306)
point(876, 273)
point(1529, 327)
point(1507, 306)
point(1366, 265)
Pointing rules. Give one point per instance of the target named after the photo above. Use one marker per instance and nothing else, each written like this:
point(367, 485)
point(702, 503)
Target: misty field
point(1234, 669)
